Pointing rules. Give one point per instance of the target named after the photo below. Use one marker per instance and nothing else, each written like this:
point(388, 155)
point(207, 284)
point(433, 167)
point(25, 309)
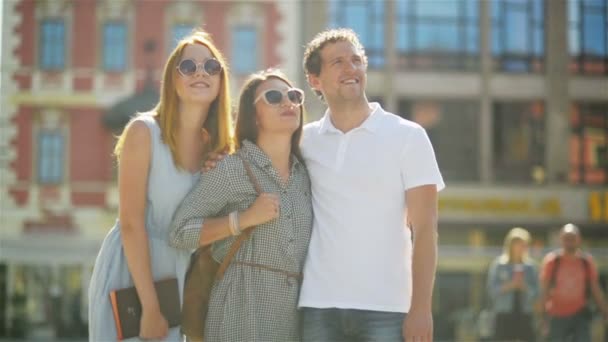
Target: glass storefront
point(44, 302)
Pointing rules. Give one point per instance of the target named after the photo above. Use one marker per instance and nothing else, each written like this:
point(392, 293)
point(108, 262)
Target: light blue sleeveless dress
point(167, 186)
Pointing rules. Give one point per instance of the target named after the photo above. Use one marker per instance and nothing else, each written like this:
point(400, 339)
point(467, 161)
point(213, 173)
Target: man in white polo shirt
point(363, 279)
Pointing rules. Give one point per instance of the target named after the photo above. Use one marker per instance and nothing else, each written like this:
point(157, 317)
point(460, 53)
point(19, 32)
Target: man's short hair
point(312, 53)
point(570, 229)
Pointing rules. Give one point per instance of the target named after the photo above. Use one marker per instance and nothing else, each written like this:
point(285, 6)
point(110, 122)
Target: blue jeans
point(320, 325)
point(575, 328)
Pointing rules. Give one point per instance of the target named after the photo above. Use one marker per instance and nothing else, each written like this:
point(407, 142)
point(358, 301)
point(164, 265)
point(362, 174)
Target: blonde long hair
point(218, 123)
point(516, 233)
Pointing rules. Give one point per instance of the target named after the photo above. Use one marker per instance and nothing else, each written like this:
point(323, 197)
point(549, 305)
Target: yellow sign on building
point(502, 206)
point(598, 206)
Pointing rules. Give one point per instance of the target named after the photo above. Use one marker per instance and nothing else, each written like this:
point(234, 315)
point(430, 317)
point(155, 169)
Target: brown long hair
point(246, 128)
point(218, 123)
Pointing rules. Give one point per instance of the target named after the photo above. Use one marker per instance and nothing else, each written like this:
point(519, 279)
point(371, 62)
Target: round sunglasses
point(274, 97)
point(189, 67)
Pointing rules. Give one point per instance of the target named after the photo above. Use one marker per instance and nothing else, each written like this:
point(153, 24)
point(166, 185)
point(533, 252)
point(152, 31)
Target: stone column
point(314, 20)
point(486, 143)
point(557, 129)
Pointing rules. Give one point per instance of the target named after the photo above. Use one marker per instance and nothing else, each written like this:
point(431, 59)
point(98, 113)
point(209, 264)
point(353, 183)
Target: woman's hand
point(153, 325)
point(515, 284)
point(265, 208)
point(519, 281)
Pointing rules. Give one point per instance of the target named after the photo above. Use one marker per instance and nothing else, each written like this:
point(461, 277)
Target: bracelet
point(233, 223)
point(237, 223)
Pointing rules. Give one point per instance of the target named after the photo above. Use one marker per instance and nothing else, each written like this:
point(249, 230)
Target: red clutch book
point(127, 307)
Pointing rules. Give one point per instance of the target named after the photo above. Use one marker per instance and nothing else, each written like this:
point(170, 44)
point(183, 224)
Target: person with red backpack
point(568, 277)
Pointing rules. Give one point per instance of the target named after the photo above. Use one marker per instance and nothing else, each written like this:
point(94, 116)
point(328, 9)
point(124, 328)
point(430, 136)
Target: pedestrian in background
point(568, 278)
point(513, 287)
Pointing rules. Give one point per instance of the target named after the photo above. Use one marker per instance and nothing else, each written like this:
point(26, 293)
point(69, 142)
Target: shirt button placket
point(344, 139)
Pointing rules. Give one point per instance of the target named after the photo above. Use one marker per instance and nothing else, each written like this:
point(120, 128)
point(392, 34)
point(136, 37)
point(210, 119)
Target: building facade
point(514, 97)
point(513, 94)
point(65, 65)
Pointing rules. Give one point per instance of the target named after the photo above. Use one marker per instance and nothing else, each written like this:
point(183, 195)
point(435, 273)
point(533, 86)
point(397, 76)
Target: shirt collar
point(371, 124)
point(256, 155)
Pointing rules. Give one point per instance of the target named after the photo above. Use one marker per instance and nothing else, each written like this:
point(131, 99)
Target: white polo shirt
point(360, 253)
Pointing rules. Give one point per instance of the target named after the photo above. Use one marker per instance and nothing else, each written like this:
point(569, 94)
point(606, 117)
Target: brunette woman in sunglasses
point(256, 300)
point(159, 156)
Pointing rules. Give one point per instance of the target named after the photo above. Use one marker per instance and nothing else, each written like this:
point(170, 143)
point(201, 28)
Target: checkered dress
point(251, 303)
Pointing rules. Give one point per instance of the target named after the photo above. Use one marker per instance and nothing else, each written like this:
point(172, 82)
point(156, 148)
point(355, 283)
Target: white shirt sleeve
point(418, 163)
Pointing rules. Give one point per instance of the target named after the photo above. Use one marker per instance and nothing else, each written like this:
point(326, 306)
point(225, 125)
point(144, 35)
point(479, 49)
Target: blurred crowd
point(556, 301)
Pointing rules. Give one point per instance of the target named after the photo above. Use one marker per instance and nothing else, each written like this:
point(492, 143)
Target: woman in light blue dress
point(159, 155)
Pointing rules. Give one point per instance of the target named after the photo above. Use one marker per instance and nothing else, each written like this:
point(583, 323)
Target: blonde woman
point(159, 156)
point(513, 288)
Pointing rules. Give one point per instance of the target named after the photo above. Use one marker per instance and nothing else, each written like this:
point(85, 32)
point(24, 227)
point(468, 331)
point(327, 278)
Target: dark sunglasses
point(189, 67)
point(274, 97)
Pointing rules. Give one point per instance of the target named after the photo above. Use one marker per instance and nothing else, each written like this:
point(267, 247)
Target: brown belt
point(271, 269)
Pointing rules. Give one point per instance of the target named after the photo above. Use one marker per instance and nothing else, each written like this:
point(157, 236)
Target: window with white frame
point(179, 31)
point(244, 49)
point(114, 46)
point(51, 156)
point(52, 44)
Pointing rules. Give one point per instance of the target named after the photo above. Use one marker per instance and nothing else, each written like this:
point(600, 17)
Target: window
point(178, 32)
point(437, 34)
point(366, 18)
point(244, 50)
point(589, 143)
point(519, 142)
point(453, 129)
point(114, 46)
point(50, 156)
point(52, 44)
point(587, 36)
point(518, 35)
